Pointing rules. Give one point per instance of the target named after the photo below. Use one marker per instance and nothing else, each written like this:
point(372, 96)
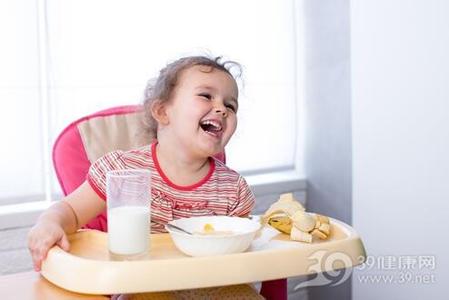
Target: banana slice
point(298, 235)
point(317, 233)
point(317, 224)
point(281, 223)
point(322, 219)
point(303, 221)
point(289, 216)
point(288, 197)
point(208, 228)
point(286, 204)
point(325, 228)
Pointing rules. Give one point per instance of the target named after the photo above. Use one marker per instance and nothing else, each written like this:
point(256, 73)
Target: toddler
point(191, 110)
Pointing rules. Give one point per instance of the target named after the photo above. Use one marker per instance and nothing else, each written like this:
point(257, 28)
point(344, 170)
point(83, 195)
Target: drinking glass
point(128, 194)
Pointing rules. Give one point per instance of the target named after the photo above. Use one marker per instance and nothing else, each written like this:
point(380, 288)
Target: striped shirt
point(221, 192)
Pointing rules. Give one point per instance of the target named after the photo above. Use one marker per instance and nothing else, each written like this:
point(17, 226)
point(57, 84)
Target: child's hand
point(42, 237)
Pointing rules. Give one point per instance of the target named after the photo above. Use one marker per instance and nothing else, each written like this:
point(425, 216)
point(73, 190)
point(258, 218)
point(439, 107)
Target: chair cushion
point(72, 147)
point(104, 134)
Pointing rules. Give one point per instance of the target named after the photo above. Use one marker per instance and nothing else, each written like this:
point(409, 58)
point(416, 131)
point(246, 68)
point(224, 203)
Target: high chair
point(116, 128)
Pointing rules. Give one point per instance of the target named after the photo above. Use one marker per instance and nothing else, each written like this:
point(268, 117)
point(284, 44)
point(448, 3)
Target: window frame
point(262, 182)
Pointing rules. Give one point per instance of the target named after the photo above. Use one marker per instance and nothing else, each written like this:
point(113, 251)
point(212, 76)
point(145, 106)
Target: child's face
point(202, 110)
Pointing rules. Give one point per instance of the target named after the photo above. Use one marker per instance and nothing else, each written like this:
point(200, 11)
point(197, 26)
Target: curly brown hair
point(162, 88)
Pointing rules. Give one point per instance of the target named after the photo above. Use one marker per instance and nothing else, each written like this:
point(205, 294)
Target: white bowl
point(243, 231)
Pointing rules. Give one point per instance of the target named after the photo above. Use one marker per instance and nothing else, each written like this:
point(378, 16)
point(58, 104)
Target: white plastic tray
point(88, 269)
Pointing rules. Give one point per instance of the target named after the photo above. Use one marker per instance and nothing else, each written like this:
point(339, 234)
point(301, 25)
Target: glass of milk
point(128, 194)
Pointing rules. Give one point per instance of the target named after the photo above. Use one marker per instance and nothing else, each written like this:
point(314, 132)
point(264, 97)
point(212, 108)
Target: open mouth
point(211, 127)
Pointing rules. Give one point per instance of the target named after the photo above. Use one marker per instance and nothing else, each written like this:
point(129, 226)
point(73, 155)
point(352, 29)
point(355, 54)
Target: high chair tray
point(88, 269)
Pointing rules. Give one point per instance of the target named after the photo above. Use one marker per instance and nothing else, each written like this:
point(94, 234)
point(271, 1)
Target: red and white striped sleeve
point(97, 171)
point(245, 199)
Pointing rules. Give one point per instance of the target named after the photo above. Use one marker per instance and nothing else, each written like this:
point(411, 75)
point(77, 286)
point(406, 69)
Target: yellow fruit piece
point(298, 235)
point(317, 233)
point(325, 228)
point(323, 219)
point(208, 228)
point(286, 205)
point(288, 197)
point(303, 221)
point(282, 223)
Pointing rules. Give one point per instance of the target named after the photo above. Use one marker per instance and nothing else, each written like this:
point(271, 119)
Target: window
point(89, 55)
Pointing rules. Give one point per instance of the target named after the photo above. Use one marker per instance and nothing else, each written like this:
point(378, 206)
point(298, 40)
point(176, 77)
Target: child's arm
point(245, 200)
point(63, 218)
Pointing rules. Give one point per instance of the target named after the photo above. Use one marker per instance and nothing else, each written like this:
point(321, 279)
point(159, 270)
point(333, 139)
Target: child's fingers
point(39, 251)
point(36, 256)
point(37, 260)
point(41, 239)
point(64, 243)
point(39, 256)
point(33, 248)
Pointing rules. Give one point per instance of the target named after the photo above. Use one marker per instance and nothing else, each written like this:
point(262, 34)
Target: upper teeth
point(213, 123)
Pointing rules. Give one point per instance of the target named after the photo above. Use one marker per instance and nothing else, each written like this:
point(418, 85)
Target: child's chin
point(212, 150)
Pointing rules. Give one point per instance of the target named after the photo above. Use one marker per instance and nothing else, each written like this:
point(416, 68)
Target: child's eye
point(231, 107)
point(205, 95)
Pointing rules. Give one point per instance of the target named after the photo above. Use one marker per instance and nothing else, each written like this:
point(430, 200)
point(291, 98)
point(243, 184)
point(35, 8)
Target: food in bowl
point(213, 235)
point(209, 229)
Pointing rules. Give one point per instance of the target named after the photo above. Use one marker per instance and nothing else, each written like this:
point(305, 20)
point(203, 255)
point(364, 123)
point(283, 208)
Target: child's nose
point(221, 109)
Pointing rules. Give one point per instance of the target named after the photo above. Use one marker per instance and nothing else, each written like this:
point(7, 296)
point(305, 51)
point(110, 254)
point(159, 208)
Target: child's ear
point(159, 112)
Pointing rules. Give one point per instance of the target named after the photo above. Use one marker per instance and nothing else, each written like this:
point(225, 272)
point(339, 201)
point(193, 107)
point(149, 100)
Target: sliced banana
point(325, 228)
point(298, 235)
point(289, 216)
point(303, 221)
point(208, 228)
point(287, 198)
point(281, 223)
point(286, 204)
point(323, 219)
point(317, 233)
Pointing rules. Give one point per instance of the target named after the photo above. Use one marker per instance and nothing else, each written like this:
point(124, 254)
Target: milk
point(128, 230)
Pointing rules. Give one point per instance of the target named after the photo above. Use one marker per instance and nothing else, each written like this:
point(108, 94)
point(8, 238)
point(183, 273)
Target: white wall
point(328, 118)
point(400, 121)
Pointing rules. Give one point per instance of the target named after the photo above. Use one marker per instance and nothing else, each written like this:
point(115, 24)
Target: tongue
point(209, 127)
